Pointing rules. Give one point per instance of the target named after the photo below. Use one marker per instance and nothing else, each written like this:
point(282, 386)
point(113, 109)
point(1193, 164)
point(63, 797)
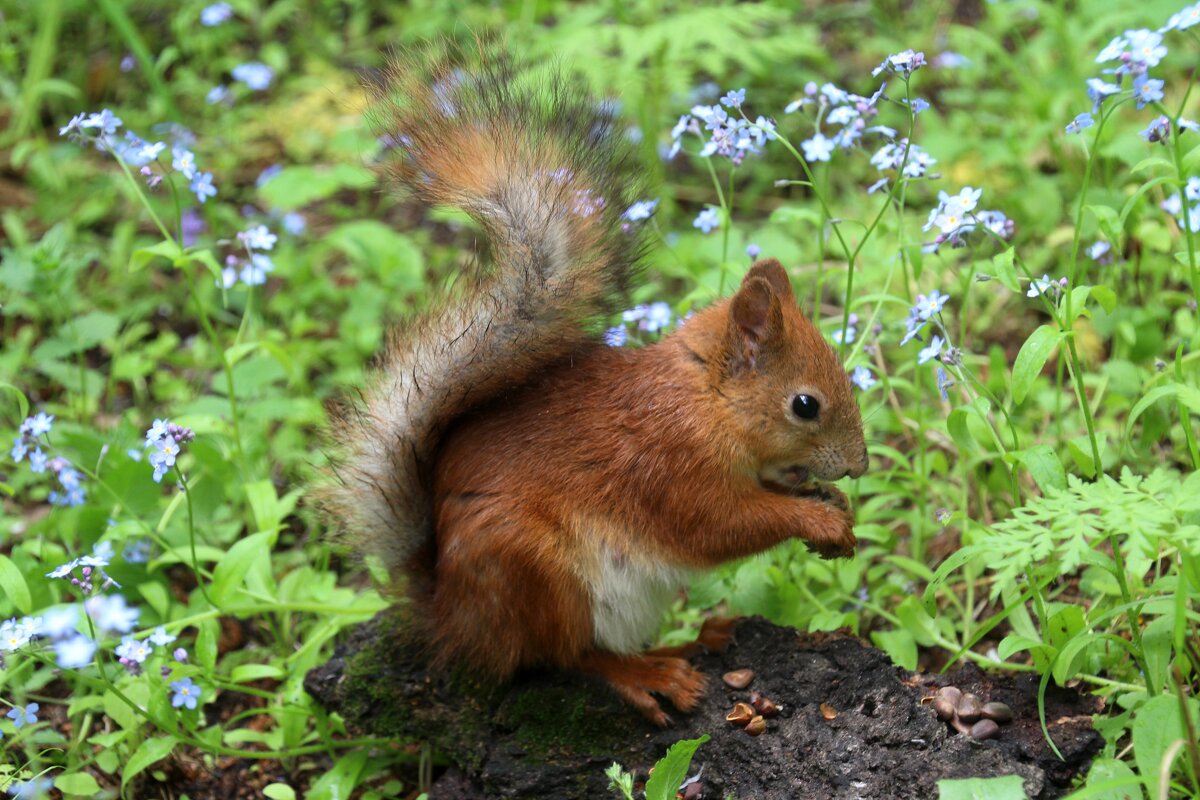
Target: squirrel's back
point(547, 174)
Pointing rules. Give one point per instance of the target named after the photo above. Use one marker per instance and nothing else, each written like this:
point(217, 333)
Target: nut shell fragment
point(828, 711)
point(984, 729)
point(763, 705)
point(1000, 712)
point(944, 708)
point(969, 708)
point(756, 726)
point(741, 715)
point(951, 693)
point(738, 678)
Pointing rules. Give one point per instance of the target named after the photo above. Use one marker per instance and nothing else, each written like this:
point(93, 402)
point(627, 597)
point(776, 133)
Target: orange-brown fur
point(666, 441)
point(539, 492)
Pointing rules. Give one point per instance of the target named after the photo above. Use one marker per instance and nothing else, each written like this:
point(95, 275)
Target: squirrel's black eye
point(805, 406)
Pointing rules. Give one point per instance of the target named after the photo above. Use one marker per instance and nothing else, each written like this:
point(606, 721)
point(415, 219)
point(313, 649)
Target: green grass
point(1042, 516)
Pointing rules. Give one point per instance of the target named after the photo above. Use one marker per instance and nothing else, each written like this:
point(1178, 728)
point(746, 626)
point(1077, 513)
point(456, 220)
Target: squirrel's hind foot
point(636, 678)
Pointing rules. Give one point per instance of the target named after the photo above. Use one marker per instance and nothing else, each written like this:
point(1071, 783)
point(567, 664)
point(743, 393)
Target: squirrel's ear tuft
point(754, 318)
point(752, 308)
point(770, 270)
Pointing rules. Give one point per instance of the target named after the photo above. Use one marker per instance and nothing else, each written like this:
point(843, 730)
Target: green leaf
point(1032, 359)
point(1186, 394)
point(167, 249)
point(80, 783)
point(1044, 466)
point(244, 673)
point(22, 401)
point(1156, 726)
point(1008, 787)
point(151, 752)
point(1156, 648)
point(341, 780)
point(1110, 779)
point(1002, 265)
point(279, 791)
point(232, 568)
point(14, 585)
point(1110, 221)
point(900, 646)
point(671, 770)
point(300, 185)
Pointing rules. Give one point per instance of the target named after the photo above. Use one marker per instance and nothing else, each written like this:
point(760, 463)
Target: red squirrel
point(542, 495)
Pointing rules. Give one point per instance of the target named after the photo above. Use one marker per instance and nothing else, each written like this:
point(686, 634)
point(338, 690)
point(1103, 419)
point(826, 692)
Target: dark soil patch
point(852, 725)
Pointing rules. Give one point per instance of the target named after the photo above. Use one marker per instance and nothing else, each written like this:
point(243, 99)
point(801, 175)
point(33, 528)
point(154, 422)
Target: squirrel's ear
point(754, 316)
point(770, 270)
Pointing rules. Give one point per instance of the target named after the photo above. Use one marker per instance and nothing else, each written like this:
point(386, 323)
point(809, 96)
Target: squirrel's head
point(789, 397)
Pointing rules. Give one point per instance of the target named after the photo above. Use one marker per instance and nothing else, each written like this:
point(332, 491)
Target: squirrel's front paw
point(835, 539)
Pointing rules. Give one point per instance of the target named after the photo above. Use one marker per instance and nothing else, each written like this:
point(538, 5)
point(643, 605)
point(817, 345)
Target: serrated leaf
point(672, 769)
point(1032, 359)
point(151, 752)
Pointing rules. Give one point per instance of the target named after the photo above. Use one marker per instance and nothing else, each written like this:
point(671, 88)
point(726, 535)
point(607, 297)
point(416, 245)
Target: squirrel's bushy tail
point(547, 173)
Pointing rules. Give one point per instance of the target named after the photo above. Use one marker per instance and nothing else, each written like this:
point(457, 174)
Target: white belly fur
point(629, 595)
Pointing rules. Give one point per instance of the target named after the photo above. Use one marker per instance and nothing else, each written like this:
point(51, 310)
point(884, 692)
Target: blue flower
point(255, 273)
point(216, 94)
point(19, 449)
point(1145, 47)
point(1184, 19)
point(818, 148)
point(160, 637)
point(184, 693)
point(111, 613)
point(753, 250)
point(1113, 50)
point(642, 209)
point(1039, 286)
point(294, 223)
point(615, 336)
point(1100, 252)
point(267, 174)
point(933, 350)
point(202, 187)
point(1159, 130)
point(75, 652)
point(707, 220)
point(943, 383)
point(38, 425)
point(31, 789)
point(919, 104)
point(183, 161)
point(216, 14)
point(1192, 190)
point(928, 306)
point(863, 378)
point(37, 461)
point(1147, 90)
point(23, 716)
point(902, 64)
point(734, 98)
point(1098, 90)
point(132, 651)
point(258, 238)
point(105, 121)
point(1080, 122)
point(255, 75)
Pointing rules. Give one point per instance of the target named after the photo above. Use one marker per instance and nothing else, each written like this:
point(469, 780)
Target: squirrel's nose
point(859, 469)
